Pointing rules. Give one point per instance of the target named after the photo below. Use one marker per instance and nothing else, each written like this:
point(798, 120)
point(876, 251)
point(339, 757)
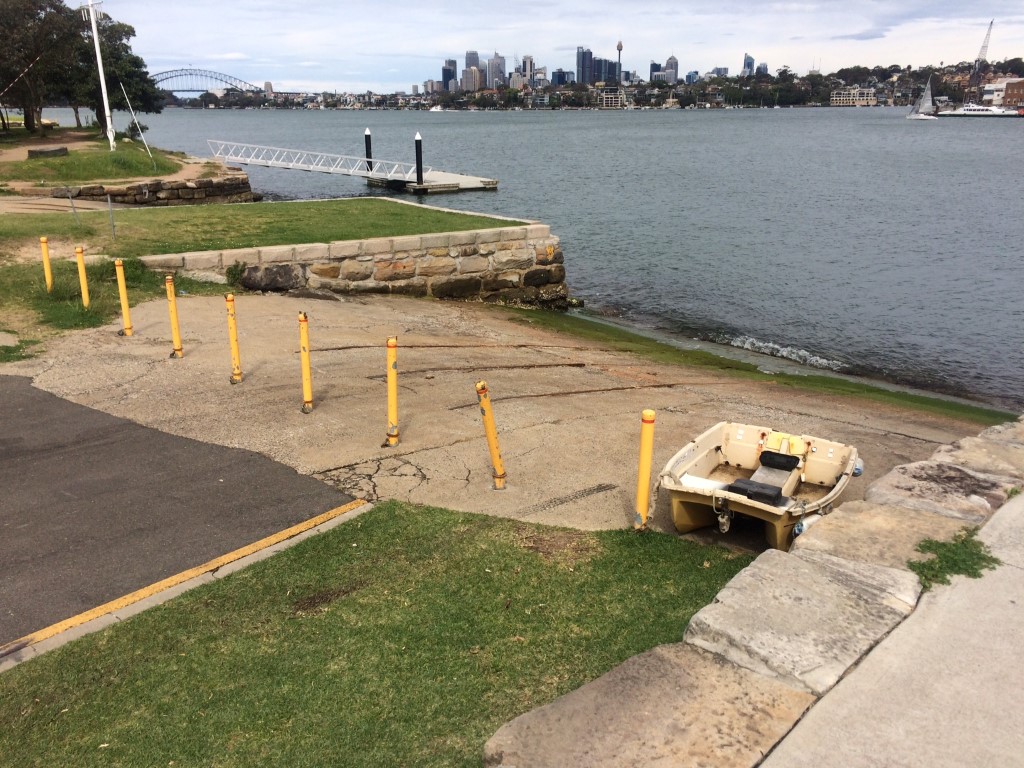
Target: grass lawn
point(178, 229)
point(95, 163)
point(404, 637)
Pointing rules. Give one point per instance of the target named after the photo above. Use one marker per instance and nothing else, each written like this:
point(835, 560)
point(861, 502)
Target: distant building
point(672, 65)
point(561, 77)
point(762, 68)
point(747, 70)
point(1013, 95)
point(584, 66)
point(692, 77)
point(268, 89)
point(611, 97)
point(855, 96)
point(448, 73)
point(472, 79)
point(994, 93)
point(655, 68)
point(527, 69)
point(496, 71)
point(472, 59)
point(720, 72)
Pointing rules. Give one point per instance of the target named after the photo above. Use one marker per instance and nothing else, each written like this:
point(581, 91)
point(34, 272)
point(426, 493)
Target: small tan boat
point(786, 480)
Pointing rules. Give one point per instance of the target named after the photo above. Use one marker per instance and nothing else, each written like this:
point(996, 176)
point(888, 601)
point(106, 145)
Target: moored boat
point(786, 480)
point(979, 110)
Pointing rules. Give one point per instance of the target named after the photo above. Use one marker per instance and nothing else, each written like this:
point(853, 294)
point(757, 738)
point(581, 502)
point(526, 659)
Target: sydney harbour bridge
point(200, 81)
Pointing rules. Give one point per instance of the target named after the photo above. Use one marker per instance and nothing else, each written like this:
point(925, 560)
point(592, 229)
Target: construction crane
point(974, 88)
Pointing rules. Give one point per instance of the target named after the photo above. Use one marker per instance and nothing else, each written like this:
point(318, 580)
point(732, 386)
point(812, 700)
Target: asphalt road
point(93, 507)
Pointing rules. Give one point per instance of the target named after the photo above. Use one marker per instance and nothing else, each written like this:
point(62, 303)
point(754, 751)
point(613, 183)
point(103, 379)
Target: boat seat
point(771, 476)
point(755, 491)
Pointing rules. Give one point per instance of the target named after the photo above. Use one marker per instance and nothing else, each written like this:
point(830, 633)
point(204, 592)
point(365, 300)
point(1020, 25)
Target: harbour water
point(846, 239)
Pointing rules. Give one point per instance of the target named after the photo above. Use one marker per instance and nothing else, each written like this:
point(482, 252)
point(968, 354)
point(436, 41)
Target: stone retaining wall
point(223, 189)
point(515, 265)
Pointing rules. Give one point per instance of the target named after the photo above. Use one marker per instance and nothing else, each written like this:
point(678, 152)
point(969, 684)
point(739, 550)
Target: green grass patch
point(87, 165)
point(404, 637)
point(20, 351)
point(23, 285)
point(651, 349)
point(964, 556)
point(179, 229)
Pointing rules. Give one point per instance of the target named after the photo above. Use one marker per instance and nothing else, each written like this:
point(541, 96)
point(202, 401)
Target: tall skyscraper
point(618, 65)
point(496, 71)
point(472, 59)
point(584, 66)
point(748, 65)
point(528, 69)
point(448, 73)
point(672, 65)
point(655, 67)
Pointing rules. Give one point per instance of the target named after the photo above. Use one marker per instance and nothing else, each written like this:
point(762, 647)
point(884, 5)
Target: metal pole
point(491, 432)
point(419, 159)
point(369, 152)
point(172, 308)
point(82, 279)
point(236, 358)
point(307, 378)
point(392, 438)
point(113, 230)
point(103, 79)
point(643, 478)
point(47, 272)
point(122, 290)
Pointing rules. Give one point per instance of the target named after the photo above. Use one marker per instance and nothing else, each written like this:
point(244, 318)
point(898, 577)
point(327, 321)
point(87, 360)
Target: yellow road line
point(180, 578)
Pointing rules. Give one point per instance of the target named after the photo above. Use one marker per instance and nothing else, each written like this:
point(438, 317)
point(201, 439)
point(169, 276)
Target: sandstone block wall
point(515, 265)
point(223, 189)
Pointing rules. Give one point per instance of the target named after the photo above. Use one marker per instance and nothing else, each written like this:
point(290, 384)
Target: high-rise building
point(584, 66)
point(692, 77)
point(472, 59)
point(748, 65)
point(655, 68)
point(762, 68)
point(561, 77)
point(527, 69)
point(448, 73)
point(472, 79)
point(496, 71)
point(268, 89)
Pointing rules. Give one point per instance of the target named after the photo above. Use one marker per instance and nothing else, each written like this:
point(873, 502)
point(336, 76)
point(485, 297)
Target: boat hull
point(756, 472)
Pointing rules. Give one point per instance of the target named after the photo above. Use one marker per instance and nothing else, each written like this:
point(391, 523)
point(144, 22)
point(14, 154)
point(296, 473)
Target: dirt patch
point(319, 601)
point(952, 478)
point(570, 547)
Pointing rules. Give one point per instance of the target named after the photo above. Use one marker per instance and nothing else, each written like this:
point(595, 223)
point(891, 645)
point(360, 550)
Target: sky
point(389, 46)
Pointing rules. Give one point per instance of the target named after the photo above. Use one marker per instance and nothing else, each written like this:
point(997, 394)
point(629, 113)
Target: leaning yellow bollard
point(80, 258)
point(172, 307)
point(47, 272)
point(236, 358)
point(484, 397)
point(307, 378)
point(122, 290)
point(643, 479)
point(392, 438)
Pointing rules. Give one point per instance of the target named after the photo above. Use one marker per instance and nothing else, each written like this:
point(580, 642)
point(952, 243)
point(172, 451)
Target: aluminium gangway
point(391, 173)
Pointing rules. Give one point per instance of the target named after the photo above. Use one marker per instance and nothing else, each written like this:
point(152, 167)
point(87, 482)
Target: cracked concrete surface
point(567, 411)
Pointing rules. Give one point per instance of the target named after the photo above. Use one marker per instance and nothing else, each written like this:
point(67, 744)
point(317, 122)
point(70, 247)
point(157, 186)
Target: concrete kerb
point(142, 599)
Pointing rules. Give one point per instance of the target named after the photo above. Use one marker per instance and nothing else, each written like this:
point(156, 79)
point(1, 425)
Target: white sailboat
point(923, 108)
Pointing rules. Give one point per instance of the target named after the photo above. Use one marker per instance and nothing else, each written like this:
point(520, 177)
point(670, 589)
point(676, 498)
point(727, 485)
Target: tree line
point(49, 58)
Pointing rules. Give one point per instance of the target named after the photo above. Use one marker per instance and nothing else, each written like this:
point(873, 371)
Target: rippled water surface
point(852, 239)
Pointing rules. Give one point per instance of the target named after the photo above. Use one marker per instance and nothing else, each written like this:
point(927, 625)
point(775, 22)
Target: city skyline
point(321, 46)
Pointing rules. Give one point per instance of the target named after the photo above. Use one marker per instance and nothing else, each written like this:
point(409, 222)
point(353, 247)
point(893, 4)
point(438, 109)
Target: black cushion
point(755, 491)
point(779, 460)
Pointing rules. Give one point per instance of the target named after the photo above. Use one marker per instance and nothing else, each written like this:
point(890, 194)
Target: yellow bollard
point(236, 358)
point(643, 479)
point(392, 438)
point(172, 307)
point(491, 431)
point(122, 290)
point(307, 378)
point(47, 272)
point(80, 258)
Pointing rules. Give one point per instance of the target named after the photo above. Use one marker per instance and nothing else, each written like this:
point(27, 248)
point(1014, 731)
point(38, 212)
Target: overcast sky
point(322, 45)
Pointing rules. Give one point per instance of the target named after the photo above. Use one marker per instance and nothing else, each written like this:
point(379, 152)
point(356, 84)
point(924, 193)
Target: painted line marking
point(180, 578)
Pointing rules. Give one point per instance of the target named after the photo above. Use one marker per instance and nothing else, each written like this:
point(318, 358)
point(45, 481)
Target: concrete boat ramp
point(392, 174)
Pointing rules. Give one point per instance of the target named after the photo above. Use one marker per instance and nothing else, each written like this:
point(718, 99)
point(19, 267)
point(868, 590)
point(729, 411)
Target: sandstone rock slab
point(790, 619)
point(882, 534)
point(1005, 459)
point(673, 705)
point(942, 488)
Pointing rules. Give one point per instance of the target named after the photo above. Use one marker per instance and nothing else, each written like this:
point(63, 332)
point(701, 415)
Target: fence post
point(122, 290)
point(172, 308)
point(392, 358)
point(47, 272)
point(82, 279)
point(236, 358)
point(643, 479)
point(491, 431)
point(307, 378)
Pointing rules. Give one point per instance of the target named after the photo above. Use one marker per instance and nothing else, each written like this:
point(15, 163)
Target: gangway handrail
point(322, 162)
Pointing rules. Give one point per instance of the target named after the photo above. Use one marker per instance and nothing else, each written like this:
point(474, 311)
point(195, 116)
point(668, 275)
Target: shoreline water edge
point(795, 249)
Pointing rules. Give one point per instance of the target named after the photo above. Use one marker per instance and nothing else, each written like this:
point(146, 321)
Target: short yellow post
point(236, 358)
point(484, 397)
point(172, 307)
point(392, 438)
point(307, 378)
point(47, 272)
point(122, 290)
point(643, 479)
point(80, 258)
